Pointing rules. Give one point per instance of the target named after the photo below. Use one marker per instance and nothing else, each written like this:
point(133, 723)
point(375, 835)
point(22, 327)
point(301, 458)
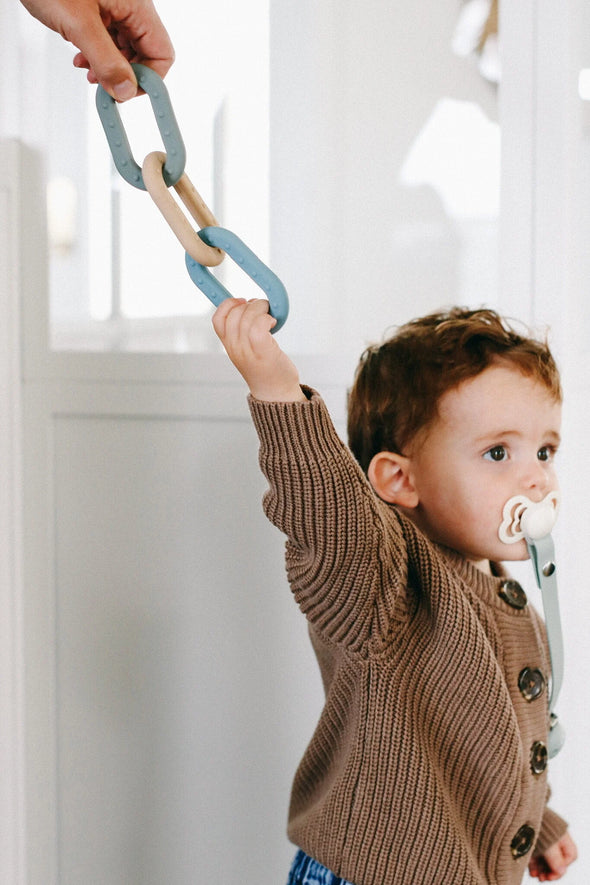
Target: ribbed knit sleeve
point(319, 497)
point(553, 828)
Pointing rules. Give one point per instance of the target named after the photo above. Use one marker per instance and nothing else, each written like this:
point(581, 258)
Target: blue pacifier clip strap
point(542, 553)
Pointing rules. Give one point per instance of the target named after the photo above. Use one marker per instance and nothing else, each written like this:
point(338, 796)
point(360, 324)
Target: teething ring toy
point(110, 118)
point(152, 170)
point(203, 248)
point(252, 266)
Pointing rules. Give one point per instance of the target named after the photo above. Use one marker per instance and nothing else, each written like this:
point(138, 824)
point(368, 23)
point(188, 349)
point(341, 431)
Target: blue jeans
point(306, 871)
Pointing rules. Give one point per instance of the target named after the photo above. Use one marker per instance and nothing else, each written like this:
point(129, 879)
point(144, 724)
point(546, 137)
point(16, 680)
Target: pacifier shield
point(523, 518)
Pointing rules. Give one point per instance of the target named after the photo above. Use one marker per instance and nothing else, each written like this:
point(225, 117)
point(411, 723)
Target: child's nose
point(536, 477)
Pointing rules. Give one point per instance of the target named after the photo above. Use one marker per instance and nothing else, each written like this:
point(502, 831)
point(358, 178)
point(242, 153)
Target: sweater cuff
point(553, 828)
point(284, 428)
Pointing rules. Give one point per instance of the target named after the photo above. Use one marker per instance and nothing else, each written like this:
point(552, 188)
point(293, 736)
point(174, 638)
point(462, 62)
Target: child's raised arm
point(244, 328)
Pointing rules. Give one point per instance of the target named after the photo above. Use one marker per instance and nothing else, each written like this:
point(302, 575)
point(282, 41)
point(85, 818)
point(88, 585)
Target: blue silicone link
point(264, 278)
point(110, 118)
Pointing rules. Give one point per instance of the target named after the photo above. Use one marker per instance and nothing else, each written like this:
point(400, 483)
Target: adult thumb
point(105, 61)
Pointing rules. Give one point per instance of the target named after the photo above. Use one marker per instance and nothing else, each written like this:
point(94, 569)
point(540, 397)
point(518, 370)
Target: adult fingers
point(106, 52)
point(103, 59)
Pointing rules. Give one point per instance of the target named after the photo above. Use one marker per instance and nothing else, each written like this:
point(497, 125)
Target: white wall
point(352, 86)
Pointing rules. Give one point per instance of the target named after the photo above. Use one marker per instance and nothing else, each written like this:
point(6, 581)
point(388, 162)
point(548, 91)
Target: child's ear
point(391, 477)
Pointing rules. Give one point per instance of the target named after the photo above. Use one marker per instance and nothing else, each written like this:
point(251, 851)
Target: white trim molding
point(12, 824)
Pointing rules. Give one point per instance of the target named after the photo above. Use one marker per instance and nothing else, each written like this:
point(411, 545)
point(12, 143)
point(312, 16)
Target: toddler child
point(429, 761)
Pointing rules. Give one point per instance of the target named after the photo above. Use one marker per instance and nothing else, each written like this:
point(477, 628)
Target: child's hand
point(553, 864)
point(244, 329)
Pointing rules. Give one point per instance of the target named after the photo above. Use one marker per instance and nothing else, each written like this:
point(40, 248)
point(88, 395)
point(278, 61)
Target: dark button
point(531, 683)
point(538, 757)
point(512, 593)
point(522, 842)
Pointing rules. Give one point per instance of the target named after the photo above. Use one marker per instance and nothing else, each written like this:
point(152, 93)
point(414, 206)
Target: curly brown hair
point(398, 383)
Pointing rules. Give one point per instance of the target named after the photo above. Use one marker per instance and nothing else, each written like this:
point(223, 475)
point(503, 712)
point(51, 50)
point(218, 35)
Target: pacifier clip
point(533, 521)
point(542, 553)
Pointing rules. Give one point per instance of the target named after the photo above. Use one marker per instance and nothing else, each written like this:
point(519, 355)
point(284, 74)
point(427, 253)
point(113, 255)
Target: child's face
point(495, 436)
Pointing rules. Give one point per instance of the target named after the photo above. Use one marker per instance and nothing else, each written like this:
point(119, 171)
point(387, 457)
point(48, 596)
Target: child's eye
point(545, 453)
point(496, 453)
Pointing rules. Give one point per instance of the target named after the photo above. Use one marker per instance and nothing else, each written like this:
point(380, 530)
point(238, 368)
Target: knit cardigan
point(419, 770)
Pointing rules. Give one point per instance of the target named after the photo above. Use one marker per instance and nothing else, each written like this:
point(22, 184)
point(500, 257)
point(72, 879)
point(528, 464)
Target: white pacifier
point(523, 518)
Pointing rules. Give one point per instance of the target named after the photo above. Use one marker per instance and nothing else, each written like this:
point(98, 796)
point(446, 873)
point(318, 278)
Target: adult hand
point(109, 34)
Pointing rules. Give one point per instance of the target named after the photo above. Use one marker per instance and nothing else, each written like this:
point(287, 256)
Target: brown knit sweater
point(419, 771)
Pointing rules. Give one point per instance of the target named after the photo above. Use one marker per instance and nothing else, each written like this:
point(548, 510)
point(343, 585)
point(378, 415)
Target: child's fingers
point(221, 314)
point(552, 865)
point(256, 321)
point(228, 305)
point(247, 326)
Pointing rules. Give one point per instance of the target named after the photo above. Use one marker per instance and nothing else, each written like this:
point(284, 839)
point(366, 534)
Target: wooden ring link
point(177, 220)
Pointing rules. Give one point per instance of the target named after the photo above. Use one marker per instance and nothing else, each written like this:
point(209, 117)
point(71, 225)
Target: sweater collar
point(486, 587)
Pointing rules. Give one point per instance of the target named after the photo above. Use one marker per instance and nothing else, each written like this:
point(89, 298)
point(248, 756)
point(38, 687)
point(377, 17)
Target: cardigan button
point(522, 842)
point(512, 593)
point(539, 757)
point(531, 683)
